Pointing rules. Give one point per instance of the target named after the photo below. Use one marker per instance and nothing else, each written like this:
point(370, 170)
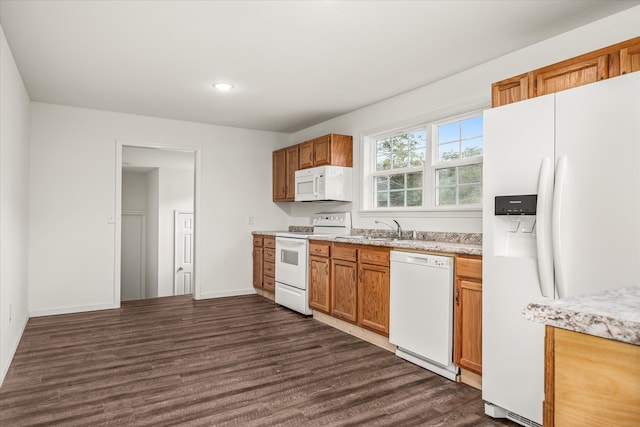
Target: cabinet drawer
point(269, 255)
point(257, 241)
point(375, 256)
point(469, 267)
point(270, 269)
point(344, 251)
point(319, 249)
point(269, 283)
point(270, 242)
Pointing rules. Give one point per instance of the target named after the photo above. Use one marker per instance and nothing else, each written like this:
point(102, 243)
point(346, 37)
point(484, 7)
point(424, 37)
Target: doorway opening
point(156, 232)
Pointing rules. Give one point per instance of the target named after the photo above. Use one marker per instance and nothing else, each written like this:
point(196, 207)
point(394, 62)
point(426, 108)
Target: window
point(433, 165)
point(458, 166)
point(399, 168)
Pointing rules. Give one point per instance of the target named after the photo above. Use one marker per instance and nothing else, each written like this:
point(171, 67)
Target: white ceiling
point(293, 63)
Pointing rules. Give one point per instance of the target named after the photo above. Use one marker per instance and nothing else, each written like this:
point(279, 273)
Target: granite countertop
point(455, 245)
point(612, 314)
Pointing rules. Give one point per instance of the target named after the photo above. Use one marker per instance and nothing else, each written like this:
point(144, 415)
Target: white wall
point(134, 191)
point(176, 193)
point(455, 94)
point(14, 205)
point(153, 209)
point(73, 178)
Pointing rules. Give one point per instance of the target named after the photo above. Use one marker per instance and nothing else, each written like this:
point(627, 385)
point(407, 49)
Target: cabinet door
point(306, 154)
point(373, 298)
point(322, 151)
point(571, 74)
point(513, 89)
point(290, 173)
point(344, 290)
point(279, 171)
point(257, 267)
point(467, 352)
point(319, 283)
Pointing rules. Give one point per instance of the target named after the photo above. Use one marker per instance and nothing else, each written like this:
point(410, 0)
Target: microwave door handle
point(315, 186)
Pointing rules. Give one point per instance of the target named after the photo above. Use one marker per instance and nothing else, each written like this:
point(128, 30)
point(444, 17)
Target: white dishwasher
point(421, 310)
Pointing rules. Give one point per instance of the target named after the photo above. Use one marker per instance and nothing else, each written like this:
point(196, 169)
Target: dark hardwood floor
point(229, 361)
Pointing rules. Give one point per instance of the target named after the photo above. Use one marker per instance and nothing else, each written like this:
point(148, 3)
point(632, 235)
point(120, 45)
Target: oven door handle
point(291, 243)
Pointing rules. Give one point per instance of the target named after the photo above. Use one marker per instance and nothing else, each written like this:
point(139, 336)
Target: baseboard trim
point(71, 310)
point(357, 331)
point(12, 353)
point(229, 293)
point(470, 378)
point(267, 294)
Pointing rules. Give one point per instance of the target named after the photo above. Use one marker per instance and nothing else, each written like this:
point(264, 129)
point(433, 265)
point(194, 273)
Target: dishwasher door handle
point(417, 259)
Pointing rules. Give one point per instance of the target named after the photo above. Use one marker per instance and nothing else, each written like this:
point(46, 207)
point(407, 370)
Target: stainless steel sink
point(370, 239)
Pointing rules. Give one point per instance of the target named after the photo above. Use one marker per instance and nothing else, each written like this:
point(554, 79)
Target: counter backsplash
point(431, 236)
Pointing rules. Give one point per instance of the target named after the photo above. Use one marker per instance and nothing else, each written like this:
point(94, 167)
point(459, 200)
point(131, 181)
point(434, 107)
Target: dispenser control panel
point(516, 205)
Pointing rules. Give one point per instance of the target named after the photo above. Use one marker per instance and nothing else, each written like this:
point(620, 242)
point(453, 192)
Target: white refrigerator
point(578, 151)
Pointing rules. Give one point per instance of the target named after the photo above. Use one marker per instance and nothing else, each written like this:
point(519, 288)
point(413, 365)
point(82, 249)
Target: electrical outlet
point(250, 220)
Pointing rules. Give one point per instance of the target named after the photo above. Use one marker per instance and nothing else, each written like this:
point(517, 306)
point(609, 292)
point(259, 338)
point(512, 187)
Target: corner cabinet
point(284, 167)
point(467, 349)
point(319, 276)
point(332, 149)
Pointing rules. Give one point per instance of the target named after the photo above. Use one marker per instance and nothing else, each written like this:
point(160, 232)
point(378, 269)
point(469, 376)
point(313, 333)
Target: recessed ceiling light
point(223, 86)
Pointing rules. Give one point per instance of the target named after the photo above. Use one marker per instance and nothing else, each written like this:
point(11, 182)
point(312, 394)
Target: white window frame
point(436, 164)
point(409, 169)
point(368, 156)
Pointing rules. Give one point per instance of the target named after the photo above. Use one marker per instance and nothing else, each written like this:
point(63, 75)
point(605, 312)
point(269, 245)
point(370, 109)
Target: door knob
point(179, 270)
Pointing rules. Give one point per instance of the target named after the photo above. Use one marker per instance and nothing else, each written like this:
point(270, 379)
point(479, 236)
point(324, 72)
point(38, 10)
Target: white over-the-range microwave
point(324, 183)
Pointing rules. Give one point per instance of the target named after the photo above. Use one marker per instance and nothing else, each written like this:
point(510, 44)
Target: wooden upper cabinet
point(511, 90)
point(611, 61)
point(332, 149)
point(573, 73)
point(285, 165)
point(630, 58)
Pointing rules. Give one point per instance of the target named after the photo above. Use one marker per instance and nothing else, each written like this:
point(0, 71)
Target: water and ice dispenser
point(515, 225)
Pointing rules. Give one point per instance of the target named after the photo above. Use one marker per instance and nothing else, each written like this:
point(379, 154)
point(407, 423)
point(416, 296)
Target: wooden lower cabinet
point(360, 286)
point(264, 263)
point(344, 290)
point(257, 263)
point(590, 381)
point(373, 297)
point(319, 276)
point(467, 341)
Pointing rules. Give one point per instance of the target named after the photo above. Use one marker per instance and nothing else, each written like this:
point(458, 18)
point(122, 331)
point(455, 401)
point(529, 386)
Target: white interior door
point(132, 272)
point(184, 228)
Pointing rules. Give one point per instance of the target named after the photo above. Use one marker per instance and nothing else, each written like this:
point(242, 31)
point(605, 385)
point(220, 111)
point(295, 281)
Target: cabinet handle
point(326, 269)
point(458, 296)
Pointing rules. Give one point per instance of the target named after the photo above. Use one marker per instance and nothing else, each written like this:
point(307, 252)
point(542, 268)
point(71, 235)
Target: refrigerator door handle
point(558, 193)
point(544, 246)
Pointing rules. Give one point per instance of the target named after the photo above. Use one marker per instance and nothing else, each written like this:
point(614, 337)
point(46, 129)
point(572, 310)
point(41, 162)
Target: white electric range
point(292, 258)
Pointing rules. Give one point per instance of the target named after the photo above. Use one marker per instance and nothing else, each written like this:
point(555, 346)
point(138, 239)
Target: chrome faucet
point(397, 228)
